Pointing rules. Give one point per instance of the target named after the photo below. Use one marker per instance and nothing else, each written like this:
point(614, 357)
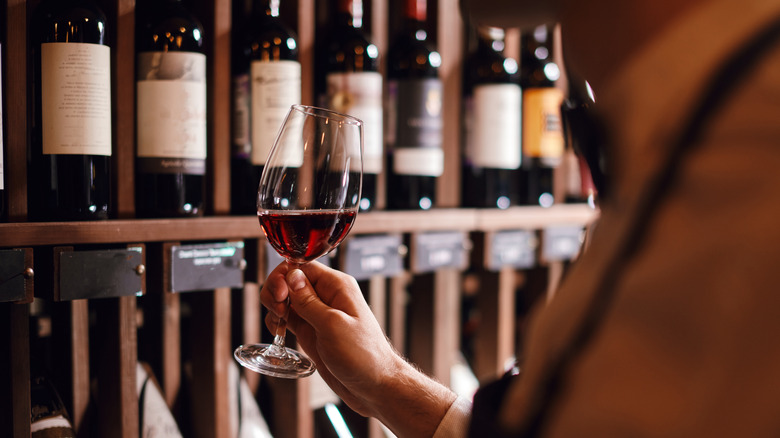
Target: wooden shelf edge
point(536, 217)
point(246, 227)
point(134, 230)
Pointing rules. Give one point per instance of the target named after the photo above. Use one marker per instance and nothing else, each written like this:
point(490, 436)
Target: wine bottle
point(349, 64)
point(414, 131)
point(171, 111)
point(583, 143)
point(70, 156)
point(492, 97)
point(543, 142)
point(266, 82)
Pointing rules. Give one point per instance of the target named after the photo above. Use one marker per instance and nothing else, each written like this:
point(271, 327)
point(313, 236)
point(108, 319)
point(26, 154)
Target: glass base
point(275, 361)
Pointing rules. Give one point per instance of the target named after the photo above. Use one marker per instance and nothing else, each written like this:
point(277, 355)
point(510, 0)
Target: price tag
point(367, 256)
point(272, 258)
point(515, 248)
point(437, 250)
point(207, 266)
point(562, 242)
point(100, 274)
point(14, 274)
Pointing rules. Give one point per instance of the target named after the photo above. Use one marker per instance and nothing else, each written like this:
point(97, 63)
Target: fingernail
point(296, 279)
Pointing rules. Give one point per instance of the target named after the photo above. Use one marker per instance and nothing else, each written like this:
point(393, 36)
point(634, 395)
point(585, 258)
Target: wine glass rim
point(324, 112)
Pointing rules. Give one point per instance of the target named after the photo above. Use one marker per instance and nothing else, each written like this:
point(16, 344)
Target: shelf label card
point(12, 279)
point(207, 266)
point(562, 242)
point(432, 251)
point(101, 274)
point(367, 256)
point(513, 248)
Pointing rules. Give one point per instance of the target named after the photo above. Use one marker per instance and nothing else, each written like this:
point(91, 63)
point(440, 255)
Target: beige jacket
point(689, 344)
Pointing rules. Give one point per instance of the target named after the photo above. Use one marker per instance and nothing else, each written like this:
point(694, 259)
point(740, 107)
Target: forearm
point(410, 403)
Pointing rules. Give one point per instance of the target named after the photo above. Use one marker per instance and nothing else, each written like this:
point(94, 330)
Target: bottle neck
point(537, 44)
point(351, 12)
point(416, 10)
point(491, 38)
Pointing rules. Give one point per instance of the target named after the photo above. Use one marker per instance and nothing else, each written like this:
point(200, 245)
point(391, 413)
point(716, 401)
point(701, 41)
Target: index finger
point(329, 283)
point(273, 294)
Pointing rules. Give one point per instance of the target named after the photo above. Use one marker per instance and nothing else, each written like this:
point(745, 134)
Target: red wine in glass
point(303, 236)
point(307, 201)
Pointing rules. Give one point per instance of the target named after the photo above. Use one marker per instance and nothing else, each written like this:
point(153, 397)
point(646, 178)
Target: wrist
point(408, 401)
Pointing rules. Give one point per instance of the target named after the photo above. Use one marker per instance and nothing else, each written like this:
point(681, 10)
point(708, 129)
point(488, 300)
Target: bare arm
point(337, 329)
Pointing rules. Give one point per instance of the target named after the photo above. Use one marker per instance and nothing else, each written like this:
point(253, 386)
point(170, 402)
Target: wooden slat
point(211, 353)
point(397, 301)
point(421, 323)
point(434, 324)
point(495, 337)
point(171, 349)
point(293, 418)
point(118, 231)
point(534, 217)
point(377, 299)
point(306, 25)
point(15, 370)
point(123, 131)
point(170, 332)
point(246, 227)
point(379, 37)
point(117, 396)
point(15, 88)
point(216, 19)
point(446, 318)
point(79, 364)
point(450, 41)
point(251, 325)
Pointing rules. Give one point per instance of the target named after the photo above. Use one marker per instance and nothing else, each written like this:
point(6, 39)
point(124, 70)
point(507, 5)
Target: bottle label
point(76, 98)
point(415, 126)
point(359, 94)
point(276, 85)
point(171, 112)
point(493, 126)
point(542, 127)
point(242, 145)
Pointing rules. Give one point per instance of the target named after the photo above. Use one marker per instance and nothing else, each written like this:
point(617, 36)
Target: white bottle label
point(276, 85)
point(360, 95)
point(76, 98)
point(414, 126)
point(493, 126)
point(171, 93)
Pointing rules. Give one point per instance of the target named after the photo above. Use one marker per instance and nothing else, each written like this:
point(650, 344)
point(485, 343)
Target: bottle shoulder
point(349, 49)
point(409, 56)
point(171, 28)
point(53, 22)
point(490, 67)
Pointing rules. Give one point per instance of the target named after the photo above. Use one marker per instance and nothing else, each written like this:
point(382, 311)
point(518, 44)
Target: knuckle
point(306, 300)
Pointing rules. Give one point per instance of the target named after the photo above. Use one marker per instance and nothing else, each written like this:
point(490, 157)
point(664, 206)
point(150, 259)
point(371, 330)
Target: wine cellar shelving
point(97, 355)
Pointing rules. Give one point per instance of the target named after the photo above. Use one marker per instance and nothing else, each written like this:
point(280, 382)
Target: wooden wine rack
point(113, 409)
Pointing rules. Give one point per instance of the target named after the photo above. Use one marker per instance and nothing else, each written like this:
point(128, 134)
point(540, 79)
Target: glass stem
point(281, 327)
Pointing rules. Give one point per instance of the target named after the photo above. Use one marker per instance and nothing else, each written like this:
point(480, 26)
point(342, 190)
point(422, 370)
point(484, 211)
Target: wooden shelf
point(246, 227)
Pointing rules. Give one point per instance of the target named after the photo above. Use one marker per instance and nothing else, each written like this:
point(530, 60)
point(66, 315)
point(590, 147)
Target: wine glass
point(307, 201)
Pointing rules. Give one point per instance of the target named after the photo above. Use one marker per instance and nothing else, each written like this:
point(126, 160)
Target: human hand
point(336, 328)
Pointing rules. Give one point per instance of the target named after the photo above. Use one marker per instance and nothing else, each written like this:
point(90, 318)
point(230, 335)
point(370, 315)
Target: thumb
point(304, 299)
